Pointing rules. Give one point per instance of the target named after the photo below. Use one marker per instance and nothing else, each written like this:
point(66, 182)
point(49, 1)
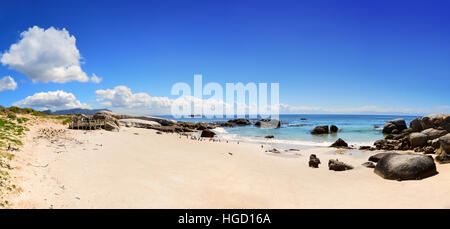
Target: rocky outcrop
point(239, 122)
point(394, 126)
point(393, 144)
point(138, 123)
point(442, 158)
point(195, 126)
point(435, 121)
point(314, 161)
point(162, 121)
point(268, 123)
point(443, 153)
point(444, 142)
point(375, 158)
point(337, 165)
point(368, 164)
point(339, 143)
point(320, 130)
point(405, 166)
point(415, 125)
point(325, 129)
point(334, 129)
point(434, 143)
point(159, 124)
point(431, 128)
point(418, 140)
point(367, 148)
point(207, 134)
point(433, 133)
point(172, 129)
point(428, 150)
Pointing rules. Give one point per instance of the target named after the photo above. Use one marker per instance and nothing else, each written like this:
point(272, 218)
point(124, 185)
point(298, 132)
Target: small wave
point(220, 130)
point(283, 143)
point(236, 137)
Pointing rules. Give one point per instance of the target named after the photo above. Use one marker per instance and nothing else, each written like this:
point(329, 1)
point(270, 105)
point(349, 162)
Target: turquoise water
point(354, 129)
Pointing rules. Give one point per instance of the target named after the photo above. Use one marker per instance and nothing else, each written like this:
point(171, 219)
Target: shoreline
point(283, 143)
point(138, 168)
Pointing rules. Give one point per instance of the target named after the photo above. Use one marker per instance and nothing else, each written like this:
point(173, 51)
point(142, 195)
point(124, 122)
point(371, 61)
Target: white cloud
point(7, 83)
point(122, 98)
point(54, 100)
point(46, 55)
point(96, 79)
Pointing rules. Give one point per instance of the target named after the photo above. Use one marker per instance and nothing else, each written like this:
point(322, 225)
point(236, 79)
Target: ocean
point(295, 129)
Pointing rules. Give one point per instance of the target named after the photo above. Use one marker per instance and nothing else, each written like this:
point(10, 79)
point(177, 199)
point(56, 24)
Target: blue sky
point(328, 56)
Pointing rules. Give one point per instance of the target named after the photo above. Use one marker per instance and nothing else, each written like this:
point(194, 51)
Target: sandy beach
point(138, 168)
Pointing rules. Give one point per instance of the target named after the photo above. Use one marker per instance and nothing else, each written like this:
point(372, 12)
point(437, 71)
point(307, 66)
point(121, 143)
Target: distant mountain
point(76, 111)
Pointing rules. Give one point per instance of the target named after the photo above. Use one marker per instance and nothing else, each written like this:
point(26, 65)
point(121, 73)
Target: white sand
point(100, 169)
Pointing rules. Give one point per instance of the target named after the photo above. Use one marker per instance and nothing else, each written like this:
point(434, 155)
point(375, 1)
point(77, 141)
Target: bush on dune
point(12, 112)
point(30, 111)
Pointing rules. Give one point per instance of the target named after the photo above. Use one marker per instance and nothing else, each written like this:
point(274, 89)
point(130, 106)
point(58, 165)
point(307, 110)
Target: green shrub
point(22, 120)
point(19, 110)
point(11, 115)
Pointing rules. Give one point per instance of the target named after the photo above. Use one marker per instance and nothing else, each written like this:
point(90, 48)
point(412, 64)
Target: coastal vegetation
point(13, 126)
point(11, 130)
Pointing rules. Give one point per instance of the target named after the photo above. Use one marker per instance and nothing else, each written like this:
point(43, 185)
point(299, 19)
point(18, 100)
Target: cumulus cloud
point(53, 100)
point(49, 55)
point(7, 83)
point(96, 79)
point(122, 99)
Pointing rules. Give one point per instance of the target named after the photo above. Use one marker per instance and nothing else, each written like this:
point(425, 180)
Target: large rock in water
point(268, 123)
point(339, 143)
point(239, 122)
point(418, 140)
point(395, 124)
point(405, 166)
point(433, 133)
point(333, 129)
point(320, 130)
